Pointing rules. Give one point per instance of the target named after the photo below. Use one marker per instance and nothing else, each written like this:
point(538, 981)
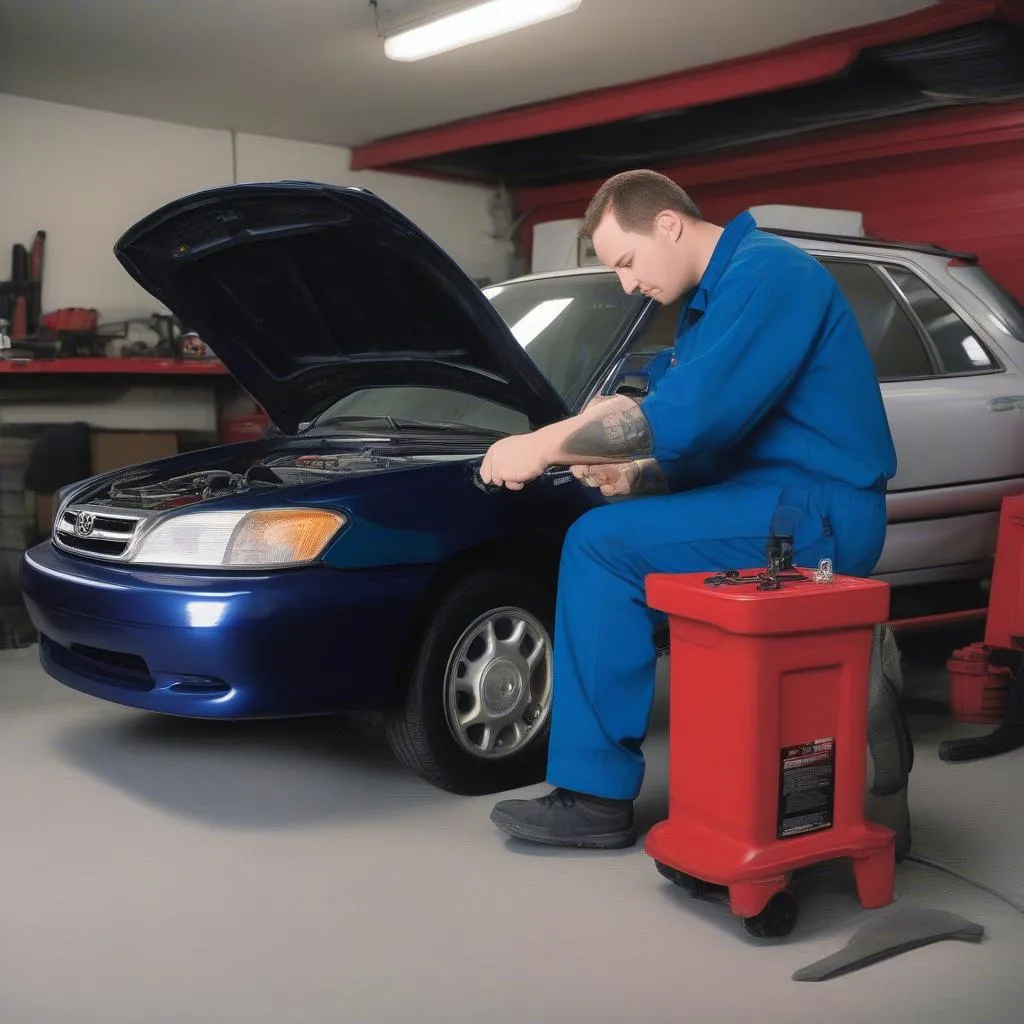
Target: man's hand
point(642, 476)
point(514, 461)
point(612, 478)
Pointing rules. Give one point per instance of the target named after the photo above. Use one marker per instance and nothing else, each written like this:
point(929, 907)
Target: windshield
point(568, 325)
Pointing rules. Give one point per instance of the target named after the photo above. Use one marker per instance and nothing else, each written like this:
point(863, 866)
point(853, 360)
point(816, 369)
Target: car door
point(958, 446)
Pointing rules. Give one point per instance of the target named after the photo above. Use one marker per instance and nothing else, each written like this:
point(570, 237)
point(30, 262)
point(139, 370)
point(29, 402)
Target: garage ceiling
point(315, 70)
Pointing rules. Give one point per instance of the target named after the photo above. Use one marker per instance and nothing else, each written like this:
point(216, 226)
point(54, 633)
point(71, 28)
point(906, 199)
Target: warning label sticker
point(807, 788)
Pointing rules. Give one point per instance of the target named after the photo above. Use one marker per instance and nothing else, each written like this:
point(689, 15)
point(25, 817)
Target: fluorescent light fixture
point(472, 25)
point(539, 319)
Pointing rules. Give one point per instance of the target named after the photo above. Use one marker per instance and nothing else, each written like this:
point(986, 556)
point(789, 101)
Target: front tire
point(475, 716)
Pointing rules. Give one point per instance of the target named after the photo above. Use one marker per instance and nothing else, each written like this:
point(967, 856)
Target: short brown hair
point(636, 198)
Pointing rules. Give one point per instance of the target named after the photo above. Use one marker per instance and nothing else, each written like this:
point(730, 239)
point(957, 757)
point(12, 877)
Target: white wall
point(85, 176)
point(457, 217)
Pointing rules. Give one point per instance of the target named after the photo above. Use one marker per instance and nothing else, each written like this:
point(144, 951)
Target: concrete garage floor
point(174, 872)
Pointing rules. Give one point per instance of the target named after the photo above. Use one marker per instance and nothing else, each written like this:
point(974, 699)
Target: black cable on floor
point(928, 862)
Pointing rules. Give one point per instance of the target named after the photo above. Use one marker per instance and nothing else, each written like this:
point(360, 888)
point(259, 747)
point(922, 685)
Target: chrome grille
point(97, 532)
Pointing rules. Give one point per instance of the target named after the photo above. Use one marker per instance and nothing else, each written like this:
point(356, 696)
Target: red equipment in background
point(979, 692)
point(769, 676)
point(1004, 627)
point(250, 427)
point(987, 679)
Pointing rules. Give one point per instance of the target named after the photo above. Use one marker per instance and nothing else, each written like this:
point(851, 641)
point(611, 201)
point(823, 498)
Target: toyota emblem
point(84, 523)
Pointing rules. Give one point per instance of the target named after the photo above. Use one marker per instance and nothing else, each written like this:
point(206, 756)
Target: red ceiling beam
point(797, 64)
point(1012, 10)
point(1008, 10)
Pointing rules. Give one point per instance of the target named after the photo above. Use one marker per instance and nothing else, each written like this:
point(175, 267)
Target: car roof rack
point(870, 240)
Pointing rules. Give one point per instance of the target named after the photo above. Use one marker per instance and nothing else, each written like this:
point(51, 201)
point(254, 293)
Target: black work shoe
point(567, 818)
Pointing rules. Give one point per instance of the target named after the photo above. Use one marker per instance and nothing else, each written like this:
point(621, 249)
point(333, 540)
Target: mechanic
point(766, 418)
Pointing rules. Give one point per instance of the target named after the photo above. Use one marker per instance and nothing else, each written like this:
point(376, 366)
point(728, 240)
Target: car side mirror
point(634, 384)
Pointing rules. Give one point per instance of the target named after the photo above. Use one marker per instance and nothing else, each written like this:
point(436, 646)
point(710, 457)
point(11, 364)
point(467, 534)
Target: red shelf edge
point(136, 367)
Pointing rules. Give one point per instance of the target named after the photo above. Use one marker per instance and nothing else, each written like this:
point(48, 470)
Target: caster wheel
point(776, 920)
point(694, 886)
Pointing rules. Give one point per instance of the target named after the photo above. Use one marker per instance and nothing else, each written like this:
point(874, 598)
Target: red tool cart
point(769, 675)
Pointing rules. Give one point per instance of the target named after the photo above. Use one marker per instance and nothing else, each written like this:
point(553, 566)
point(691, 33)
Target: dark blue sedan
point(351, 560)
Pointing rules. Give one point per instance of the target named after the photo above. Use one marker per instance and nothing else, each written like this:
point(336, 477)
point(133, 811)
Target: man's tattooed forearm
point(624, 433)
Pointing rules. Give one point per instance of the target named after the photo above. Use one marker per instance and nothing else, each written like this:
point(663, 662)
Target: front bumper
point(305, 641)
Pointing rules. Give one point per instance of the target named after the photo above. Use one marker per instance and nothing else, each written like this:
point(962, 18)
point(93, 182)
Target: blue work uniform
point(768, 418)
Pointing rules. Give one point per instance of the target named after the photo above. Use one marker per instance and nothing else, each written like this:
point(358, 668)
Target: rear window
point(959, 350)
point(896, 347)
point(1004, 309)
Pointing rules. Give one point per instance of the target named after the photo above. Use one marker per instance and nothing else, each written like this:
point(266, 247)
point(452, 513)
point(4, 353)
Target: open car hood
point(308, 292)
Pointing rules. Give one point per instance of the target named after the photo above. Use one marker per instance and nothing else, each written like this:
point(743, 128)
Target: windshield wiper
point(466, 428)
point(391, 424)
point(397, 423)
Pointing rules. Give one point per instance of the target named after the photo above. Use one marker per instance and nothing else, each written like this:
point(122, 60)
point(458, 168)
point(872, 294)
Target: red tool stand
point(768, 736)
point(994, 669)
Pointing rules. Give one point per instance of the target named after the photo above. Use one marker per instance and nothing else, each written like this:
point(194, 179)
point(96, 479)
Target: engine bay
point(153, 492)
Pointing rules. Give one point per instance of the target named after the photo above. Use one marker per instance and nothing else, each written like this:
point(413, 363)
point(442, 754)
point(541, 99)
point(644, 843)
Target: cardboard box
point(46, 509)
point(16, 532)
point(110, 450)
point(116, 449)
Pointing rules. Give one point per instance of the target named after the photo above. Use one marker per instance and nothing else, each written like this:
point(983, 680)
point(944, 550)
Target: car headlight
point(217, 540)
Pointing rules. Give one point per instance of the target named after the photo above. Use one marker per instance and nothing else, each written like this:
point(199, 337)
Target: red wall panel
point(956, 181)
point(969, 200)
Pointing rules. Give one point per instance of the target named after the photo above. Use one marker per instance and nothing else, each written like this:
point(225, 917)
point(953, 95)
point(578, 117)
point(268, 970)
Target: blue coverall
point(768, 416)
